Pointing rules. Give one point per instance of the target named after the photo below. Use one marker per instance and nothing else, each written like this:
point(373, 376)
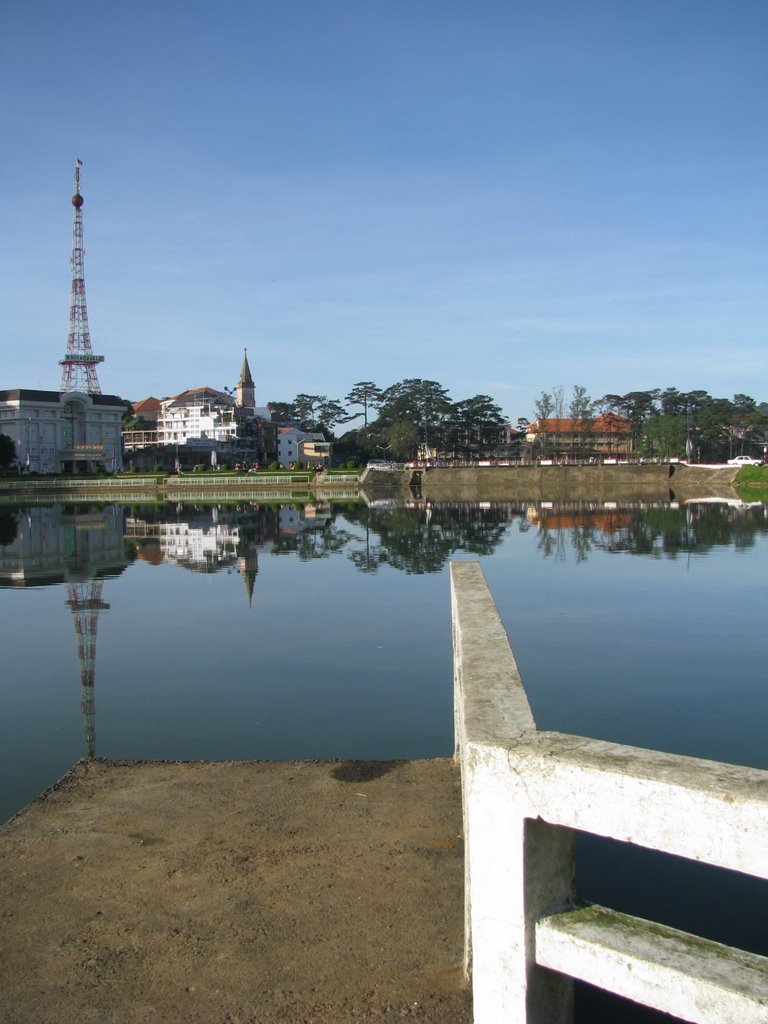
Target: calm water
point(281, 632)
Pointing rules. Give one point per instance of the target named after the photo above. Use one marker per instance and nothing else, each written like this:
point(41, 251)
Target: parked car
point(744, 460)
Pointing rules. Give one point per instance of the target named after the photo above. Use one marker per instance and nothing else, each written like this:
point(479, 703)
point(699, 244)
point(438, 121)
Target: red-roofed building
point(148, 409)
point(607, 435)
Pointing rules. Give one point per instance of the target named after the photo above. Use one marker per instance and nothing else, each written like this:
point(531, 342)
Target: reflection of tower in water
point(86, 603)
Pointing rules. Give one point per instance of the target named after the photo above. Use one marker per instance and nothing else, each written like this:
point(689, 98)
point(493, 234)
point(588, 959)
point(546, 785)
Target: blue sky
point(500, 196)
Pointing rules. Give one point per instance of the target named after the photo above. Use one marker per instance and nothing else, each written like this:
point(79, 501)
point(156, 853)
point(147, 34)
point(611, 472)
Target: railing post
point(518, 870)
point(550, 885)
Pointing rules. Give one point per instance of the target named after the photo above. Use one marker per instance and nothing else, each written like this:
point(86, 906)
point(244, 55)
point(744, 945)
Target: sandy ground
point(226, 893)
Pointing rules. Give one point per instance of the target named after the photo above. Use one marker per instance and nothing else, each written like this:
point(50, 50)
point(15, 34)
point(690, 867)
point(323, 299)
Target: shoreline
point(656, 482)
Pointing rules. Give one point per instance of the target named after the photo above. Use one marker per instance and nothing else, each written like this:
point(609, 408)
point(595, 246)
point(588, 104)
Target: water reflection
point(654, 530)
point(81, 547)
point(77, 547)
point(40, 546)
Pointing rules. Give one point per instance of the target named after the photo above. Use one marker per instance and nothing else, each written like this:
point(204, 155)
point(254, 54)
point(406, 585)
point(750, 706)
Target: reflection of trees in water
point(693, 529)
point(414, 540)
point(552, 542)
point(320, 541)
point(420, 540)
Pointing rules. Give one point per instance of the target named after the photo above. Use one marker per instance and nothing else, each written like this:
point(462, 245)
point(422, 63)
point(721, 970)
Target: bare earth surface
point(226, 893)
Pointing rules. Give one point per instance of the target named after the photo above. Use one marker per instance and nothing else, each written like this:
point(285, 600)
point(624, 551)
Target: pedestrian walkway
point(226, 893)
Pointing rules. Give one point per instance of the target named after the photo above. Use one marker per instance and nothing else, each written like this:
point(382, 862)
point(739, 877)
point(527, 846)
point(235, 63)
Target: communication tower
point(79, 362)
point(86, 603)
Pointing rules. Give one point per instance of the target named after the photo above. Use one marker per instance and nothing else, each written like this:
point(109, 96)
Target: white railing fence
point(526, 793)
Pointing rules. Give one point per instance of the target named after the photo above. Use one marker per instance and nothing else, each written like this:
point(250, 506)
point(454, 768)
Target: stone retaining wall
point(656, 482)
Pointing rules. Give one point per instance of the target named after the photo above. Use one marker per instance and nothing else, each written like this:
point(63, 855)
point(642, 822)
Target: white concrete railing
point(526, 793)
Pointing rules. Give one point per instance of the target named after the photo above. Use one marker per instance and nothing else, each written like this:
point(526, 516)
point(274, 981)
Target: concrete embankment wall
point(663, 482)
point(213, 487)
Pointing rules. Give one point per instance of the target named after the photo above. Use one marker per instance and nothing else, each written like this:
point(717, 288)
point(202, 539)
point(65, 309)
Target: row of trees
point(400, 421)
point(668, 422)
point(416, 415)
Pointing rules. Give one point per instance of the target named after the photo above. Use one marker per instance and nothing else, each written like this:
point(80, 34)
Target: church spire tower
point(246, 391)
point(79, 363)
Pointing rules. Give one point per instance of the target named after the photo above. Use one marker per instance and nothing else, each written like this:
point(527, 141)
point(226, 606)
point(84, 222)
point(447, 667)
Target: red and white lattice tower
point(86, 603)
point(79, 373)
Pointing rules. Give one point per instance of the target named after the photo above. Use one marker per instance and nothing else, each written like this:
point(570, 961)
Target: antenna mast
point(79, 362)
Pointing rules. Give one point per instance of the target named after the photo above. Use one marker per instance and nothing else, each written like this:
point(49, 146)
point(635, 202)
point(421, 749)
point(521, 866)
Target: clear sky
point(500, 195)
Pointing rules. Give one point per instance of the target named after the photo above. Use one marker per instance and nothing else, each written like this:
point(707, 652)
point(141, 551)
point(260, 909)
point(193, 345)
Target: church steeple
point(246, 392)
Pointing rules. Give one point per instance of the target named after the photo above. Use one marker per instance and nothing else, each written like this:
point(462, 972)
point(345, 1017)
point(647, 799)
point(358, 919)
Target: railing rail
point(526, 793)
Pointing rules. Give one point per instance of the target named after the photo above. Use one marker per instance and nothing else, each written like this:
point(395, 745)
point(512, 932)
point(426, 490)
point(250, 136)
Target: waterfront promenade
point(236, 893)
point(649, 482)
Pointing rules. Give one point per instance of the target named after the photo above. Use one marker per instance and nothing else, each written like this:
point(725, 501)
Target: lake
point(290, 632)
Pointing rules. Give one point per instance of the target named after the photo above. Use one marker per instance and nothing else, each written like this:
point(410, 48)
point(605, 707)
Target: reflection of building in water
point(202, 542)
point(606, 519)
point(298, 518)
point(55, 545)
point(207, 540)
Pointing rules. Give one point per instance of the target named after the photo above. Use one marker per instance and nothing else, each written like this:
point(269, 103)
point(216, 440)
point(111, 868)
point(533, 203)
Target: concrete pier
point(226, 893)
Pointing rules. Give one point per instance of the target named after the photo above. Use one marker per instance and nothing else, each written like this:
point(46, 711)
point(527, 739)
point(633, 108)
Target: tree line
point(417, 416)
point(666, 423)
point(399, 422)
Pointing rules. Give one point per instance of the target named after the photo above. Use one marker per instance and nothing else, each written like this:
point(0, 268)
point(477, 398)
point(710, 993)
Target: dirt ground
point(236, 893)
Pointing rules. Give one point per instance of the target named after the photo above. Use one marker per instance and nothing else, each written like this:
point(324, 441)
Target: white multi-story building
point(201, 413)
point(69, 432)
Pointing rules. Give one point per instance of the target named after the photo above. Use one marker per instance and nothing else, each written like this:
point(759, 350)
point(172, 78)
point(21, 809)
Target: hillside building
point(202, 426)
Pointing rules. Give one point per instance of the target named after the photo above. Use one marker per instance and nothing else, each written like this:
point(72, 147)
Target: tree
point(473, 427)
point(637, 406)
point(282, 410)
point(328, 412)
point(422, 403)
point(581, 409)
point(748, 425)
point(712, 430)
point(664, 437)
point(363, 393)
point(403, 438)
point(7, 451)
point(581, 405)
point(544, 406)
point(310, 412)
